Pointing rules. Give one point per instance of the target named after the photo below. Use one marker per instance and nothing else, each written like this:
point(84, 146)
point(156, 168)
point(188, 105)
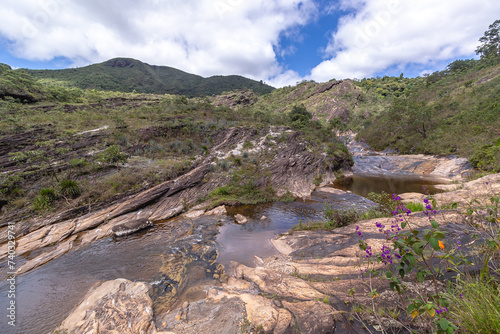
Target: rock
point(240, 219)
point(281, 285)
point(412, 197)
point(207, 317)
point(218, 211)
point(263, 218)
point(61, 249)
point(194, 214)
point(313, 317)
point(331, 190)
point(41, 238)
point(131, 227)
point(118, 306)
point(260, 311)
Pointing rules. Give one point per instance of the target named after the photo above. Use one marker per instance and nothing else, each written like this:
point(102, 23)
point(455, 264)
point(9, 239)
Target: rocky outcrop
point(236, 99)
point(118, 306)
point(443, 169)
point(131, 227)
point(293, 165)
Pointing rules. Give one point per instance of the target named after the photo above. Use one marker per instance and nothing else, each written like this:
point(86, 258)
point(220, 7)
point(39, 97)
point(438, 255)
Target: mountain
point(127, 75)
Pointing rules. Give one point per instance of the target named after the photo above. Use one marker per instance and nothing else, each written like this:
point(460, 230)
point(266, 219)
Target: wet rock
point(240, 219)
point(118, 306)
point(131, 227)
point(61, 249)
point(331, 190)
point(41, 238)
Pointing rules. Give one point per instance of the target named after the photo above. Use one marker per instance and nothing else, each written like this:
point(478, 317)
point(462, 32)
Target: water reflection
point(362, 185)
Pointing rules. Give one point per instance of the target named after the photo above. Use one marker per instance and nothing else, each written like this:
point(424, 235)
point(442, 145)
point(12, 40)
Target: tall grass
point(476, 306)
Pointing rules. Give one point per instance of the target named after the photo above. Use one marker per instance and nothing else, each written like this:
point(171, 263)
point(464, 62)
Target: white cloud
point(206, 37)
point(212, 37)
point(385, 33)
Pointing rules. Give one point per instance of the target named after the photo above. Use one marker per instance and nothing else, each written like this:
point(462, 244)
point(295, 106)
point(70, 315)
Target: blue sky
point(279, 41)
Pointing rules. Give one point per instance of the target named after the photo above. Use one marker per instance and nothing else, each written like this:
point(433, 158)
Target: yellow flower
point(441, 245)
point(414, 314)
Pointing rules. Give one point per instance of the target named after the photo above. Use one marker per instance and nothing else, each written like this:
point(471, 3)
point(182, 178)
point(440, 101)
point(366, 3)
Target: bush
point(299, 117)
point(487, 158)
point(69, 188)
point(44, 200)
point(385, 201)
point(113, 155)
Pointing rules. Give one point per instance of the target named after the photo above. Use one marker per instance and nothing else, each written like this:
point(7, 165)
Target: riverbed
point(47, 295)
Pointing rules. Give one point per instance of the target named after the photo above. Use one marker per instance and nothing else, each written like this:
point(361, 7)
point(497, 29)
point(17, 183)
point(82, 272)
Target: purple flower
point(461, 296)
point(426, 200)
point(458, 244)
point(442, 310)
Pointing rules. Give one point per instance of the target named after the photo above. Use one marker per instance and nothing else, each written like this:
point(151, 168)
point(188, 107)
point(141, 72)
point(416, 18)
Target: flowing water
point(47, 295)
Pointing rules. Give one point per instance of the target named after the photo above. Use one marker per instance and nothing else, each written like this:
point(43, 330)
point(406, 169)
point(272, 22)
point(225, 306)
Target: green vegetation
point(93, 147)
point(426, 119)
point(130, 75)
point(476, 306)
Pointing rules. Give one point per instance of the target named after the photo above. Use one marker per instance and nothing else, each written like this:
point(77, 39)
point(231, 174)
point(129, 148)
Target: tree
point(299, 117)
point(490, 42)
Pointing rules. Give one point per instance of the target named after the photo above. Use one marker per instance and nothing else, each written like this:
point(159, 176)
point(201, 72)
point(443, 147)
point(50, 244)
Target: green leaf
point(434, 243)
point(388, 274)
point(450, 330)
point(410, 308)
point(444, 302)
point(403, 225)
point(418, 248)
point(443, 323)
point(411, 259)
point(420, 277)
point(434, 224)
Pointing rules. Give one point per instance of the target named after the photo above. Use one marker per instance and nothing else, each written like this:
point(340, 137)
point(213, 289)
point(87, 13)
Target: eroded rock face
point(118, 306)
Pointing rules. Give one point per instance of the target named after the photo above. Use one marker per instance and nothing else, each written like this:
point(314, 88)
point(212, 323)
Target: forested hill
point(128, 75)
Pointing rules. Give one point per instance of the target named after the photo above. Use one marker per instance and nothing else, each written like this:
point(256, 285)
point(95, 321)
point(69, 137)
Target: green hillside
point(128, 75)
point(456, 111)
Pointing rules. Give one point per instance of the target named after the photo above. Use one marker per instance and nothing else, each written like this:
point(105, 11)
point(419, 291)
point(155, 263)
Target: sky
point(281, 42)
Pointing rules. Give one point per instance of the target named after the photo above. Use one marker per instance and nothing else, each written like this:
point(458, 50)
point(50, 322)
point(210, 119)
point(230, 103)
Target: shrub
point(113, 155)
point(487, 158)
point(78, 162)
point(299, 117)
point(69, 188)
point(44, 199)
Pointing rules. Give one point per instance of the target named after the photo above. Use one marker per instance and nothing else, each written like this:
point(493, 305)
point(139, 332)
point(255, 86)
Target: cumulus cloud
point(205, 37)
point(212, 37)
point(381, 33)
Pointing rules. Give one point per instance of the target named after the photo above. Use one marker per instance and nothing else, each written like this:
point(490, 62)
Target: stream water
point(45, 296)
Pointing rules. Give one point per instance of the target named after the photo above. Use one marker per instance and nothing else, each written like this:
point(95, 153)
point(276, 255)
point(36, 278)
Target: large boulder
point(118, 306)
